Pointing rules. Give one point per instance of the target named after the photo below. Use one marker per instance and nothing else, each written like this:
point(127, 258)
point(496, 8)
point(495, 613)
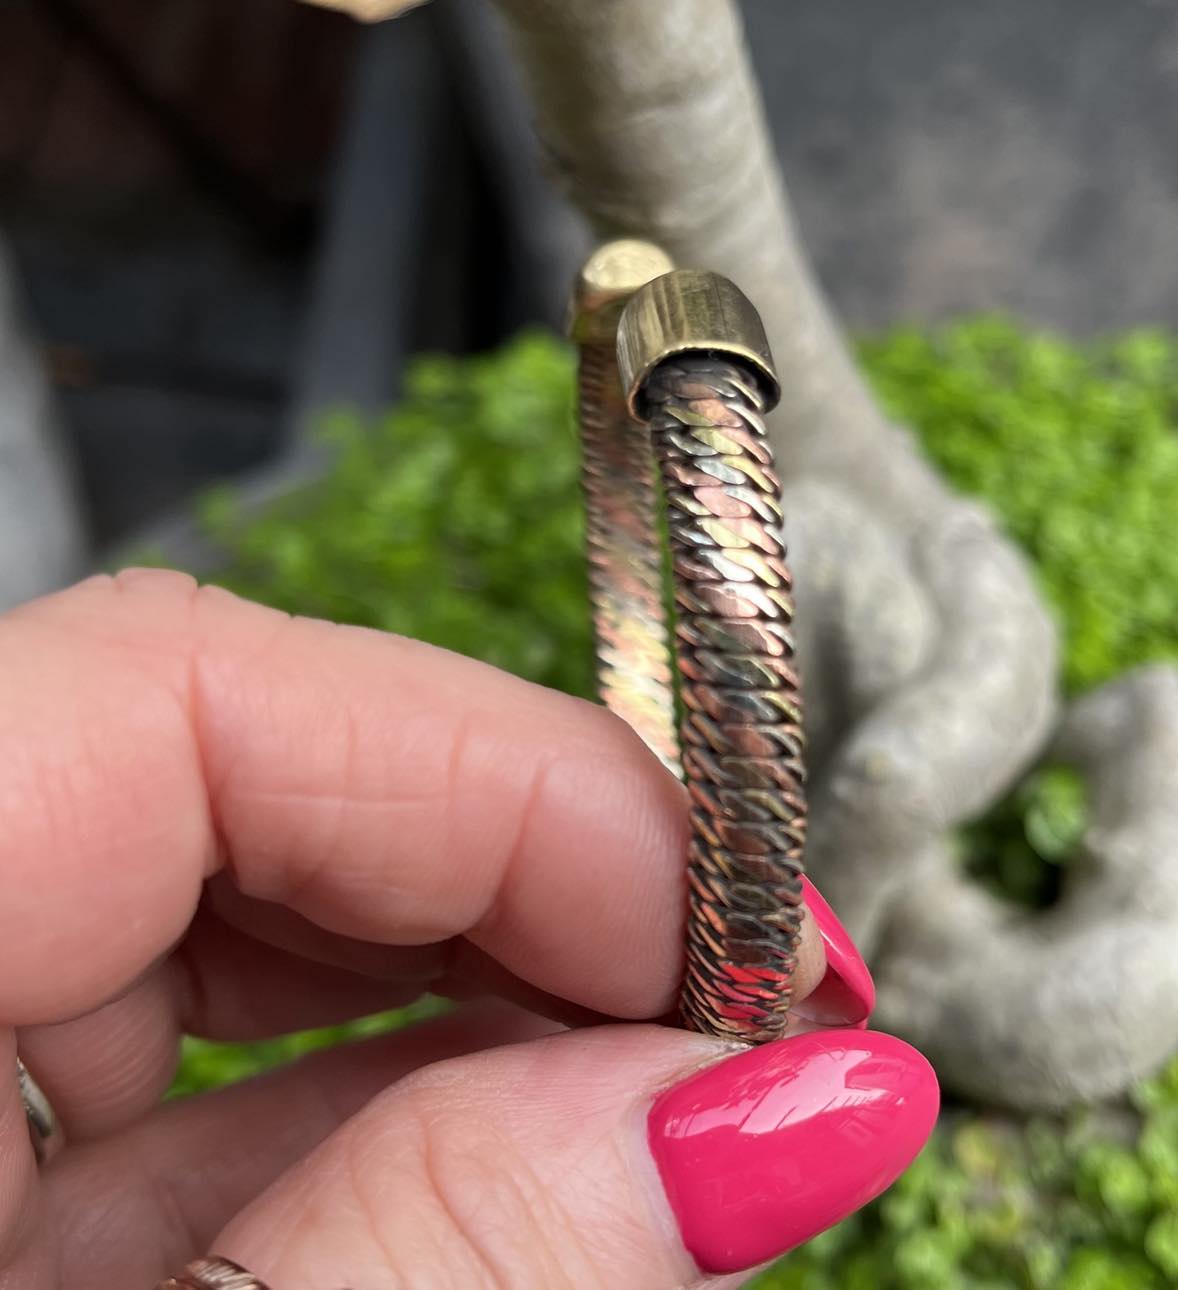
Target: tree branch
point(654, 126)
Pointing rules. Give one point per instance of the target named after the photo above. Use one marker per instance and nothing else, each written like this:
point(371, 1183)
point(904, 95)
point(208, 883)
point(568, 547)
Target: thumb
point(626, 1156)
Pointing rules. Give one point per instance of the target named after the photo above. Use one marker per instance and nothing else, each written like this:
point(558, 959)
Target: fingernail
point(767, 1149)
point(846, 994)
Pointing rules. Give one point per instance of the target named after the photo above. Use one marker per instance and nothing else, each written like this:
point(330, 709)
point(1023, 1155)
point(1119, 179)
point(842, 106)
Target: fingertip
point(844, 994)
point(763, 1151)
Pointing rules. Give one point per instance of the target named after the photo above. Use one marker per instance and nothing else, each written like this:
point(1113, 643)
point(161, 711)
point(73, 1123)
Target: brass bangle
point(685, 389)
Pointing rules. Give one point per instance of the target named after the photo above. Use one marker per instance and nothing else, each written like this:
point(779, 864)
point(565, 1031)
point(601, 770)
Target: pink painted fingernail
point(846, 994)
point(767, 1149)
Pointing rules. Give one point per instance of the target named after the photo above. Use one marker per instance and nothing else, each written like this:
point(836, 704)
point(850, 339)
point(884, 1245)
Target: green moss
point(457, 519)
point(1075, 448)
point(1050, 1205)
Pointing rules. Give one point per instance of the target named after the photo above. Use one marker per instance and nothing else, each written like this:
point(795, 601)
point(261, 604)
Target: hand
point(218, 820)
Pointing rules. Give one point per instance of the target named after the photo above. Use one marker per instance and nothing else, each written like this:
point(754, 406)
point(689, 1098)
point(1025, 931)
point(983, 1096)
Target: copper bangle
point(675, 373)
point(213, 1274)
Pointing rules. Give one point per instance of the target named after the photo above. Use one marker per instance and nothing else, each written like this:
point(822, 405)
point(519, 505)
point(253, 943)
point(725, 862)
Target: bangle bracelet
point(675, 376)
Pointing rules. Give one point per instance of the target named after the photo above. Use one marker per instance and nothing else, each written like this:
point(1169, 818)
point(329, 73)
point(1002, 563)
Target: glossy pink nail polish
point(767, 1149)
point(846, 994)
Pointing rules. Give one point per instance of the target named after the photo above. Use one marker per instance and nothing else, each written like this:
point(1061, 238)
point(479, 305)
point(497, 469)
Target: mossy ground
point(456, 519)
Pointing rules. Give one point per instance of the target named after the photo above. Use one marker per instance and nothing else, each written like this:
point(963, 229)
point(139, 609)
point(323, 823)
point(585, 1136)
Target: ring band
point(675, 373)
point(213, 1274)
point(44, 1129)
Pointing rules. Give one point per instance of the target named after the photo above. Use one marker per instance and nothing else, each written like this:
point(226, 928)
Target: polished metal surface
point(213, 1274)
point(742, 729)
point(608, 279)
point(700, 376)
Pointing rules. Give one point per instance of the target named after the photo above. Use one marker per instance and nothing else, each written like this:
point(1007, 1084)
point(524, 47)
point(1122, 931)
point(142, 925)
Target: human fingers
point(187, 1168)
point(108, 1067)
point(617, 1156)
point(155, 733)
point(122, 1210)
point(126, 694)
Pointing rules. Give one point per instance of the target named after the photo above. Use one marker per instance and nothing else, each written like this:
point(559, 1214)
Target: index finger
point(154, 732)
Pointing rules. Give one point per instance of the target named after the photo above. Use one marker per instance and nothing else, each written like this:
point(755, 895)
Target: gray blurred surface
point(171, 344)
point(40, 538)
point(365, 269)
point(953, 157)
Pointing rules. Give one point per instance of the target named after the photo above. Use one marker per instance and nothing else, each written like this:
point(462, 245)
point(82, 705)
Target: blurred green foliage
point(205, 1065)
point(1091, 1204)
point(457, 519)
point(1076, 449)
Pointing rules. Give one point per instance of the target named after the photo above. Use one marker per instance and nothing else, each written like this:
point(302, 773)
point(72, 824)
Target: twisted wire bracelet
point(675, 374)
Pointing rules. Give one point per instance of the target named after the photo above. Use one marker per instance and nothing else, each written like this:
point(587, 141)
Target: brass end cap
point(689, 311)
point(608, 278)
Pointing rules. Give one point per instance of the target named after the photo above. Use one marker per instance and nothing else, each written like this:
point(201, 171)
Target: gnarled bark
point(1084, 998)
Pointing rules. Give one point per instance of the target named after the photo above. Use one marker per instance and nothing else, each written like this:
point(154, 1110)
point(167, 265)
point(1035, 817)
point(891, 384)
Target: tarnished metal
point(44, 1130)
point(625, 559)
point(691, 312)
point(742, 728)
point(608, 278)
point(625, 556)
point(703, 389)
point(213, 1274)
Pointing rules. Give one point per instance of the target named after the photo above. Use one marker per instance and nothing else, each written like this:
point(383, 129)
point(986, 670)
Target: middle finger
point(107, 1068)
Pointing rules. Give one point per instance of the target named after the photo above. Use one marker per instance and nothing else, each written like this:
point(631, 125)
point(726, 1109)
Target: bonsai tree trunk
point(928, 656)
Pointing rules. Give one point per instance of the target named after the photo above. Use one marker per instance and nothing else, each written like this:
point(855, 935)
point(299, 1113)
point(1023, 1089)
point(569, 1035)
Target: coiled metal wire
point(740, 745)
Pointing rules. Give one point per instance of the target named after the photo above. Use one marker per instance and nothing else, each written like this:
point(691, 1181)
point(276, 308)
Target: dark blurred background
point(226, 217)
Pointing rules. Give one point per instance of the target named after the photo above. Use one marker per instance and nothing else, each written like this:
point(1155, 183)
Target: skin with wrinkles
point(222, 821)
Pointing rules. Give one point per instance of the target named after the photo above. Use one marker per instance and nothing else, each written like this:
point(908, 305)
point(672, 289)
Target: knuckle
point(491, 1218)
